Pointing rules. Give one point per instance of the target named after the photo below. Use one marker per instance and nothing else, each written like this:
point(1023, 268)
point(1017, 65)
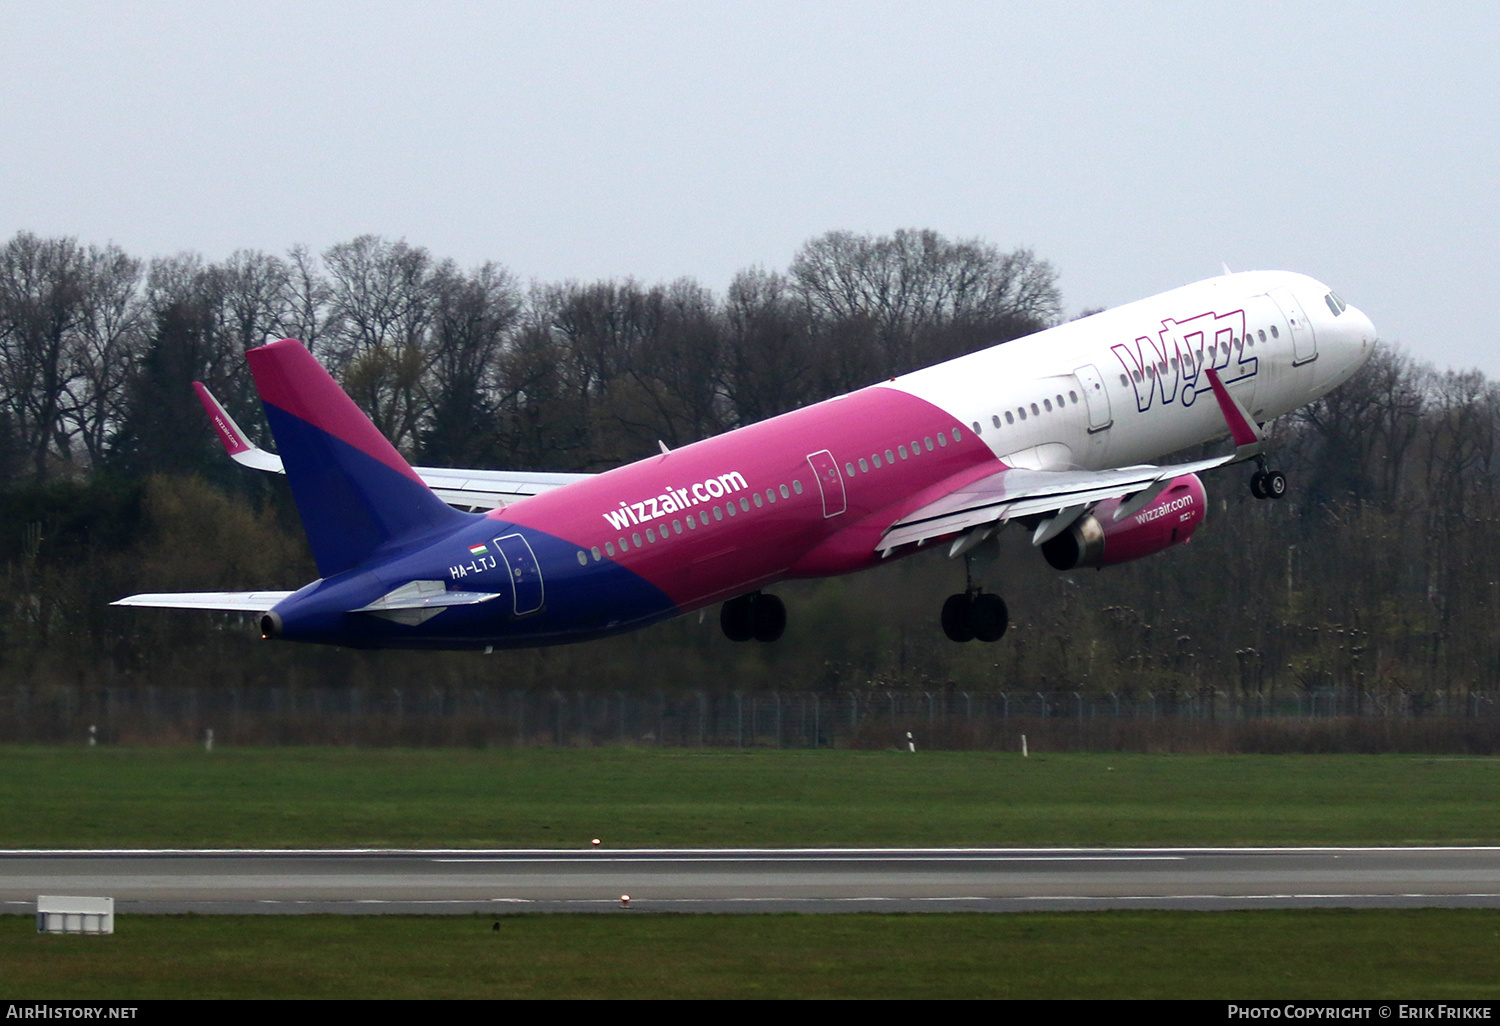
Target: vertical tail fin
point(353, 490)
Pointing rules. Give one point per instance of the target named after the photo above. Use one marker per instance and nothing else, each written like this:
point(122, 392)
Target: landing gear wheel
point(988, 617)
point(762, 617)
point(734, 619)
point(1274, 484)
point(1258, 484)
point(767, 617)
point(956, 620)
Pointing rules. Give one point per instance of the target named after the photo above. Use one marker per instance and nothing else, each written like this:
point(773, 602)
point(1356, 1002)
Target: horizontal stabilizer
point(419, 601)
point(226, 601)
point(425, 595)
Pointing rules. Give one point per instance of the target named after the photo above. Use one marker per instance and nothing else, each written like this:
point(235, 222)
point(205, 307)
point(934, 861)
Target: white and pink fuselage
point(811, 493)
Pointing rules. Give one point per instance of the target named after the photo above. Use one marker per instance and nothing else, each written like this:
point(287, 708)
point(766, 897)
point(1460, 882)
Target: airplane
point(1052, 431)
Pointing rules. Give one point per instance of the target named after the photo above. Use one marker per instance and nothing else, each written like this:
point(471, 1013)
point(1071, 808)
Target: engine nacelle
point(1097, 539)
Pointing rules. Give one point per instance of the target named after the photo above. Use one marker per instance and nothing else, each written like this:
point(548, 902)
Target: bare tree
point(769, 365)
point(307, 301)
point(474, 316)
point(382, 301)
point(913, 285)
point(42, 286)
point(109, 339)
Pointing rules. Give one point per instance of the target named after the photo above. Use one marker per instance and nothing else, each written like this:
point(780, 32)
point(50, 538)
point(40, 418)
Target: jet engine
point(1098, 539)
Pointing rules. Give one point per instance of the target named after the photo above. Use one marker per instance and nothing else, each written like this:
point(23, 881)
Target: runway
point(781, 880)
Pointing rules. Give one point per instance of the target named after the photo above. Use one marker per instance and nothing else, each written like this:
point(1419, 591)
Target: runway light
point(595, 842)
point(624, 901)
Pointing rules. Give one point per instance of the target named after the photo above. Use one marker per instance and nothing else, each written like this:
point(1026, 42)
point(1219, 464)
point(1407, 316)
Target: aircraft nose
point(1352, 343)
point(1359, 334)
point(1361, 329)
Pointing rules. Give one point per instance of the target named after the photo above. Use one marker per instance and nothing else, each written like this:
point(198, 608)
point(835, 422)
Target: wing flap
point(1010, 494)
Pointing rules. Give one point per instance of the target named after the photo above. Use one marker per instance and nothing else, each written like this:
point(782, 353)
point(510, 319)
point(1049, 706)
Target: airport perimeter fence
point(1326, 720)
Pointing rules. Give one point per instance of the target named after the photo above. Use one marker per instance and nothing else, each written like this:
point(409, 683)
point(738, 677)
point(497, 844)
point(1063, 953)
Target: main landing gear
point(1267, 484)
point(974, 613)
point(762, 617)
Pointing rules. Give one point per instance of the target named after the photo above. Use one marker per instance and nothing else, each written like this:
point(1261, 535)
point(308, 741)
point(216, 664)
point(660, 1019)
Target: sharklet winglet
point(1249, 438)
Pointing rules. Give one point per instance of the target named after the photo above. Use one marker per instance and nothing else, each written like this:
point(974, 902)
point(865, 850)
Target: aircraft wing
point(225, 601)
point(1060, 497)
point(466, 489)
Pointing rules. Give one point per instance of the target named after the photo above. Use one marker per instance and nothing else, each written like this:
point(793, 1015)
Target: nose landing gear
point(1267, 484)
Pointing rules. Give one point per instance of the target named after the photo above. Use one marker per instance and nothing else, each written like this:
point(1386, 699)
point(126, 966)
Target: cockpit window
point(1335, 304)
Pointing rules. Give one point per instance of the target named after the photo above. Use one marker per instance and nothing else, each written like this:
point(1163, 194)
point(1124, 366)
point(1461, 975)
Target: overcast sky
point(1135, 146)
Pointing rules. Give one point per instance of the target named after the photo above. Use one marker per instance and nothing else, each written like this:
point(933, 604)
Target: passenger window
point(943, 440)
point(771, 492)
point(916, 448)
point(890, 457)
point(1072, 396)
point(677, 527)
point(1262, 333)
point(902, 451)
point(928, 443)
point(637, 539)
point(784, 493)
point(1274, 332)
point(1021, 411)
point(759, 502)
point(718, 512)
point(583, 558)
point(1048, 404)
point(729, 507)
point(595, 551)
point(797, 485)
point(995, 419)
point(624, 546)
point(703, 518)
point(1059, 402)
point(864, 466)
point(975, 426)
point(649, 536)
point(744, 505)
point(848, 468)
point(609, 548)
point(1124, 380)
point(955, 434)
point(875, 459)
point(692, 523)
point(1034, 411)
point(1009, 417)
point(1136, 375)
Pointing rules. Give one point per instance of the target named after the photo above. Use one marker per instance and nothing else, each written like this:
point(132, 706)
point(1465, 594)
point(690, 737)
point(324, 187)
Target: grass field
point(326, 797)
point(1221, 955)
